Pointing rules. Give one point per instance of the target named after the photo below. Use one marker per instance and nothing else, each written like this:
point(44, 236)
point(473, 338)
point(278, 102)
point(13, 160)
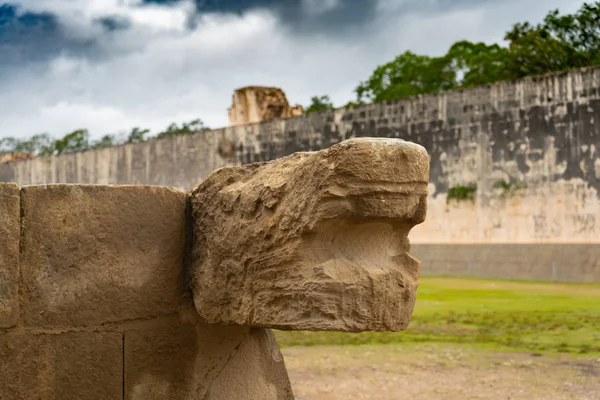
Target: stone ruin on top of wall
point(141, 292)
point(254, 104)
point(15, 156)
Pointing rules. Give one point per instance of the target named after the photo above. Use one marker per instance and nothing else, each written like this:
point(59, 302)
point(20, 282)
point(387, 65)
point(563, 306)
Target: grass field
point(535, 317)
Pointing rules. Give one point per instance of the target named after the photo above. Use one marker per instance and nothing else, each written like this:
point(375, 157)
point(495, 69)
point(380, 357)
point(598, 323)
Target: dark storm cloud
point(345, 15)
point(20, 34)
point(27, 37)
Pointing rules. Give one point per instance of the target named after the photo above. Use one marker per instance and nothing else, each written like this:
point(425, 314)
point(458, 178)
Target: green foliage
point(560, 43)
point(137, 135)
point(407, 75)
point(461, 192)
point(319, 103)
point(534, 51)
point(105, 141)
point(7, 144)
point(44, 145)
point(352, 104)
point(186, 128)
point(508, 187)
point(540, 317)
point(580, 30)
point(502, 184)
point(479, 63)
point(39, 144)
point(72, 142)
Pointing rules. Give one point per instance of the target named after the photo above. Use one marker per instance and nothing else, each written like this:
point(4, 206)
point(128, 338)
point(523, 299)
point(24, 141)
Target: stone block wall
point(561, 262)
point(94, 303)
point(537, 138)
point(531, 147)
point(10, 232)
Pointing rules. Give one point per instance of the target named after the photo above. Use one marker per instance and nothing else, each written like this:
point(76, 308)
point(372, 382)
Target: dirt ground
point(432, 371)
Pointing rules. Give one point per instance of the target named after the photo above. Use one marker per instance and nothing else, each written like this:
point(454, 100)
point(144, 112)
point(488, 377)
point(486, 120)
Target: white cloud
point(80, 115)
point(158, 79)
point(158, 72)
point(161, 18)
point(78, 15)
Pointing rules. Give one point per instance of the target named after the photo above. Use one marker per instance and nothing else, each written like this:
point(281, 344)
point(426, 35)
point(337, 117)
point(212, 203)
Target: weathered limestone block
point(9, 254)
point(254, 104)
point(202, 362)
point(67, 366)
point(312, 241)
point(258, 352)
point(97, 254)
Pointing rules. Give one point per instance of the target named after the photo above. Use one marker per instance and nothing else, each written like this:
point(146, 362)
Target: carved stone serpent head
point(312, 241)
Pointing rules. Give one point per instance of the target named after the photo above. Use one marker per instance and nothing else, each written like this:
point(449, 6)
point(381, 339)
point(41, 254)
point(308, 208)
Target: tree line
point(558, 43)
point(45, 145)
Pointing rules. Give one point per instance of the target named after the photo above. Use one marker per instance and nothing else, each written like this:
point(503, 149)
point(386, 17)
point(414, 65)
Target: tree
point(40, 144)
point(186, 128)
point(105, 141)
point(44, 145)
point(581, 30)
point(137, 135)
point(72, 142)
point(407, 75)
point(8, 144)
point(478, 63)
point(533, 51)
point(319, 103)
point(560, 43)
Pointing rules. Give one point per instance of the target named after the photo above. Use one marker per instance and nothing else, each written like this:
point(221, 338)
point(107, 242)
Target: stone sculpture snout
point(312, 241)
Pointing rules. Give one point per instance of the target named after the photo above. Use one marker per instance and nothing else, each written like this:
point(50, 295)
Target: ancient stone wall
point(95, 303)
point(561, 262)
point(520, 159)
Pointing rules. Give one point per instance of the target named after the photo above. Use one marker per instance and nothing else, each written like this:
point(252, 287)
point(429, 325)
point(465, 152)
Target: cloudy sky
point(109, 65)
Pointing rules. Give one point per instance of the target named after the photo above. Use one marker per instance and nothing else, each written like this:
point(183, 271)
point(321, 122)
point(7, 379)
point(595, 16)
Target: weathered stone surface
point(9, 254)
point(258, 352)
point(253, 104)
point(71, 366)
point(312, 241)
point(14, 156)
point(534, 261)
point(196, 362)
point(97, 254)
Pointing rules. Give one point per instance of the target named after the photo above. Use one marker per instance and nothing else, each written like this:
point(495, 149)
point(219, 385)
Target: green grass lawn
point(538, 317)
